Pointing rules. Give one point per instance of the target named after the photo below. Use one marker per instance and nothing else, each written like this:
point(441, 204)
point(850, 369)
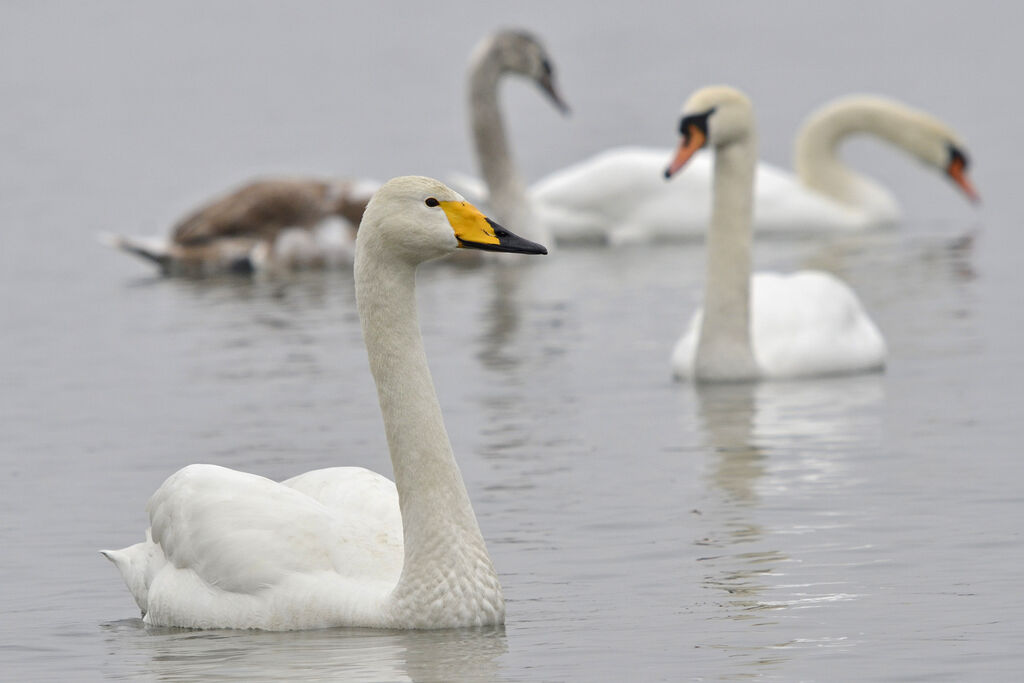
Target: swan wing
point(242, 532)
point(804, 324)
point(237, 550)
point(259, 209)
point(365, 499)
point(227, 549)
point(810, 323)
point(621, 195)
point(783, 205)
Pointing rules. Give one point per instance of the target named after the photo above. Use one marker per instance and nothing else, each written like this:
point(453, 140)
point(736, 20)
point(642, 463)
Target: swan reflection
point(331, 654)
point(776, 445)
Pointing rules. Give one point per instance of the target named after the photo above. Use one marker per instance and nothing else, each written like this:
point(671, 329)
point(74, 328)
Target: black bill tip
point(508, 242)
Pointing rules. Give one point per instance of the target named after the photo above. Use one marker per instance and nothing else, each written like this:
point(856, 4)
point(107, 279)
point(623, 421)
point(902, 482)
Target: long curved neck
point(441, 534)
point(816, 155)
point(724, 349)
point(508, 201)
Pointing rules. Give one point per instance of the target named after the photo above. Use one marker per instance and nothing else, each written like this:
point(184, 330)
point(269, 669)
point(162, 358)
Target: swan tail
point(115, 556)
point(137, 566)
point(149, 250)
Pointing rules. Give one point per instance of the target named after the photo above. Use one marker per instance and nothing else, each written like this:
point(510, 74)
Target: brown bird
point(269, 223)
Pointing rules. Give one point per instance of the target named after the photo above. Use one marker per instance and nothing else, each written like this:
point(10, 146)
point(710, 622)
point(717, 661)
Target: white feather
point(341, 546)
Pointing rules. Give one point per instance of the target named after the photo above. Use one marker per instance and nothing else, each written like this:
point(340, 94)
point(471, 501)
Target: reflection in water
point(333, 654)
point(502, 408)
point(502, 318)
point(776, 445)
point(944, 257)
point(727, 414)
point(507, 358)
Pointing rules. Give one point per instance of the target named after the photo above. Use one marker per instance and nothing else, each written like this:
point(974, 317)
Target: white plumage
point(801, 324)
point(341, 546)
point(766, 325)
point(619, 195)
point(228, 549)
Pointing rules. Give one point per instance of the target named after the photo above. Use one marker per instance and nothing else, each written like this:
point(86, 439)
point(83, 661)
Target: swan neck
point(817, 151)
point(724, 347)
point(507, 192)
point(441, 534)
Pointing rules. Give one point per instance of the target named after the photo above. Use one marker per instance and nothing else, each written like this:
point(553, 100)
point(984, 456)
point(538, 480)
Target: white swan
point(342, 546)
point(615, 196)
point(271, 223)
point(768, 325)
point(505, 52)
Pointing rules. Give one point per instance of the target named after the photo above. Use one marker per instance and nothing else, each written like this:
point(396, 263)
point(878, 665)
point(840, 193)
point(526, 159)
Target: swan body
point(612, 198)
point(264, 224)
point(765, 325)
point(806, 323)
point(617, 196)
point(341, 546)
point(506, 52)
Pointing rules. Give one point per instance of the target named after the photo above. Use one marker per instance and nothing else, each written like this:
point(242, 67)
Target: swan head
point(956, 169)
point(919, 133)
point(933, 142)
point(520, 52)
point(419, 219)
point(715, 116)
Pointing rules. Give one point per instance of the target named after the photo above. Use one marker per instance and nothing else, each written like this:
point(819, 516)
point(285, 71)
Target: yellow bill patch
point(468, 223)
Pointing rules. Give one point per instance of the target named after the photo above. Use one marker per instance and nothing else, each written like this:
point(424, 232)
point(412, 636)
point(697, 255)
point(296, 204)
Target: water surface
point(861, 528)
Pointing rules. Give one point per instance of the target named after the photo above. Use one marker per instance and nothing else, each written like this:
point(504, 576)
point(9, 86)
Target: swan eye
point(431, 202)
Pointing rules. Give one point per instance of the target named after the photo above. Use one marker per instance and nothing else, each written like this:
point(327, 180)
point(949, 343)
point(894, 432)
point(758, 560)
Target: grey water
point(859, 528)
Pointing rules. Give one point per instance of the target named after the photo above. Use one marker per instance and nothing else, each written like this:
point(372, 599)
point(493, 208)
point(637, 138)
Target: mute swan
point(616, 196)
point(515, 52)
point(263, 223)
point(769, 325)
point(341, 546)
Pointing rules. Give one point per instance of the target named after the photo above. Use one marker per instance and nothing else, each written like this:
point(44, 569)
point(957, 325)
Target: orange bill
point(957, 172)
point(688, 146)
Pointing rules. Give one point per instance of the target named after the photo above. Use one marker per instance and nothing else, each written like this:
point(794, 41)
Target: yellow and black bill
point(474, 230)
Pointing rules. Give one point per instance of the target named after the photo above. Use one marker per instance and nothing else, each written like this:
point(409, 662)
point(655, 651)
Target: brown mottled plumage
point(264, 208)
point(225, 234)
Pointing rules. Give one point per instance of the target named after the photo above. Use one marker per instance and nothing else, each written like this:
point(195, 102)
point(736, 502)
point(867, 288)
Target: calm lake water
point(864, 528)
